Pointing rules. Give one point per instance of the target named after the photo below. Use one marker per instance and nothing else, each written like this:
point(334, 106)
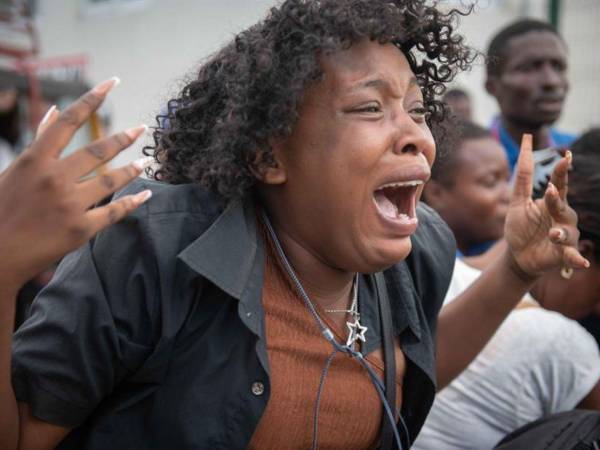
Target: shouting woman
point(281, 289)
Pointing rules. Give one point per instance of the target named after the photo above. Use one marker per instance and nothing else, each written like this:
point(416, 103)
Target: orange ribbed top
point(351, 411)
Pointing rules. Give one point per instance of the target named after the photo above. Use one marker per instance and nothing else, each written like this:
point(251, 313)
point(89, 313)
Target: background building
point(153, 45)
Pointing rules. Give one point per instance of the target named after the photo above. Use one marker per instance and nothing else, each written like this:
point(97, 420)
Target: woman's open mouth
point(396, 203)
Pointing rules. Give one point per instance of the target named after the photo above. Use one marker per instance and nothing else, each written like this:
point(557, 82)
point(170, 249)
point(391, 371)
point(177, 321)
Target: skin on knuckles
point(93, 190)
point(98, 151)
point(104, 216)
point(90, 157)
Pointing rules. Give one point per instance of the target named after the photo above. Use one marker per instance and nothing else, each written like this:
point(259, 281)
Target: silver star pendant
point(357, 332)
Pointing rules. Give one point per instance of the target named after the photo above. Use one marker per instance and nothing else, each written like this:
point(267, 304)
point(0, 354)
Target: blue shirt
point(557, 139)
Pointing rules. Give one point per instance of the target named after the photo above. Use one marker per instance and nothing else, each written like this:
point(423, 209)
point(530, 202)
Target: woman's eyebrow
point(380, 83)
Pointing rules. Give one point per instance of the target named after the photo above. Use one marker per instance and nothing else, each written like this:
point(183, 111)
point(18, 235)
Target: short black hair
point(496, 54)
point(219, 127)
point(584, 186)
point(444, 168)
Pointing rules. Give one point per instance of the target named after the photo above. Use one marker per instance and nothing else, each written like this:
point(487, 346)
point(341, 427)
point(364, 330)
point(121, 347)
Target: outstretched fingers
point(58, 134)
point(557, 206)
point(48, 119)
point(564, 233)
point(524, 171)
point(102, 217)
point(572, 258)
point(93, 155)
point(560, 175)
point(95, 189)
point(566, 238)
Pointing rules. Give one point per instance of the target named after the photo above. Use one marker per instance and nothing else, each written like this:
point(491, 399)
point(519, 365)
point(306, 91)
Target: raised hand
point(46, 205)
point(542, 234)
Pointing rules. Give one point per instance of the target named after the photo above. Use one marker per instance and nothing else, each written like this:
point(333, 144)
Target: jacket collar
point(403, 299)
point(230, 254)
point(228, 251)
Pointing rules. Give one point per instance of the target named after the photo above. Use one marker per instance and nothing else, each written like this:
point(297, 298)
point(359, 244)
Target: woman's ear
point(433, 195)
point(268, 165)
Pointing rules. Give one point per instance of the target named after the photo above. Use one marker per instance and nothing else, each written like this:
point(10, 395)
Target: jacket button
point(258, 388)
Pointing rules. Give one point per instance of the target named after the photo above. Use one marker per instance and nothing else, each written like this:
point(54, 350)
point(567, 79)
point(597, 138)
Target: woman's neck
point(325, 285)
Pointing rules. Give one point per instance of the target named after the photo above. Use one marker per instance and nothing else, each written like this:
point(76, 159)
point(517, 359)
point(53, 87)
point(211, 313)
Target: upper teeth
point(402, 184)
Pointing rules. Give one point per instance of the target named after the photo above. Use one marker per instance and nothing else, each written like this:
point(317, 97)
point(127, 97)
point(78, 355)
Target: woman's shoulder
point(173, 199)
point(433, 236)
point(431, 259)
point(430, 262)
point(174, 217)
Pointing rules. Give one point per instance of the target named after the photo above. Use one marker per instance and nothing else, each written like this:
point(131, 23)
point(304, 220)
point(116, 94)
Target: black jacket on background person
point(152, 336)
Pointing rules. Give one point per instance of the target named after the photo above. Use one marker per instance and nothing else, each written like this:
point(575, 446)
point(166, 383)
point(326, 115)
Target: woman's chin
point(388, 254)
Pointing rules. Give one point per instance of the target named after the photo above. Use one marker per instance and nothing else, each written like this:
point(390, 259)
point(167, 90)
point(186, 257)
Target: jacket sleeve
point(92, 326)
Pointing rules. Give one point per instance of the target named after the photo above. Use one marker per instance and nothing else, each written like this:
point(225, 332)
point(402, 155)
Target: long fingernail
point(527, 140)
point(142, 163)
point(47, 115)
point(142, 197)
point(135, 132)
point(569, 156)
point(105, 86)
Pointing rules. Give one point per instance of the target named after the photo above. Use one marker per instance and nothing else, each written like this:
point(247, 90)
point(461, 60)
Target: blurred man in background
point(527, 74)
point(460, 103)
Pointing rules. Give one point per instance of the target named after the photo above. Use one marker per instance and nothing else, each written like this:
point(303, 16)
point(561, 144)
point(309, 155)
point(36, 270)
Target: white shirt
point(538, 363)
point(6, 155)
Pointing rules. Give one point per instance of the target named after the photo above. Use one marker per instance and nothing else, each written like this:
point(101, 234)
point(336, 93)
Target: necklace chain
point(353, 311)
point(356, 329)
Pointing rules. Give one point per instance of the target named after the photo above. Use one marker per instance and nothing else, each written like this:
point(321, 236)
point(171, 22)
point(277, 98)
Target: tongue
point(384, 204)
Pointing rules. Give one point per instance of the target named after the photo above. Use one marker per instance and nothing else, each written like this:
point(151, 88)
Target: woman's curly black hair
point(250, 90)
point(584, 187)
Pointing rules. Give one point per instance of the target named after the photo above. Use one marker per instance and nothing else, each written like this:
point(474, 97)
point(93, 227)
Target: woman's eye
point(368, 109)
point(419, 112)
point(489, 181)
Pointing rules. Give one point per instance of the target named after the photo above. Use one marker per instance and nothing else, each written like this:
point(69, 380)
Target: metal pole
point(554, 7)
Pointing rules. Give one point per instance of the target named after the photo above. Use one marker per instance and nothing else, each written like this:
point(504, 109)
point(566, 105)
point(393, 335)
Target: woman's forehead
point(367, 62)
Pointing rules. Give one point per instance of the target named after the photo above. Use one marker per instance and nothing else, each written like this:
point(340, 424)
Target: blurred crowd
point(544, 358)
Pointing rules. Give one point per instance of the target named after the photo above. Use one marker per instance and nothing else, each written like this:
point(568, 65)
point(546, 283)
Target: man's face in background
point(532, 82)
